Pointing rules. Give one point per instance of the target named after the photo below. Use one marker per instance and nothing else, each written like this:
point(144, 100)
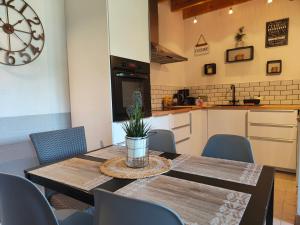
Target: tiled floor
point(285, 199)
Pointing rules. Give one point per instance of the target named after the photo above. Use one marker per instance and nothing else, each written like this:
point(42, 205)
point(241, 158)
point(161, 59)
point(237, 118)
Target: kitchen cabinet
point(227, 122)
point(273, 136)
point(110, 27)
point(181, 126)
point(129, 29)
point(160, 122)
point(199, 131)
point(89, 69)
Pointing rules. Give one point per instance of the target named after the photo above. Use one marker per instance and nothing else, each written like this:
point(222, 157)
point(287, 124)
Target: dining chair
point(162, 140)
point(114, 209)
point(53, 146)
point(231, 147)
point(58, 145)
point(21, 202)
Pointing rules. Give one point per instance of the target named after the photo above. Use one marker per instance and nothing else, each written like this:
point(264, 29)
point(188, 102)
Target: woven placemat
point(117, 168)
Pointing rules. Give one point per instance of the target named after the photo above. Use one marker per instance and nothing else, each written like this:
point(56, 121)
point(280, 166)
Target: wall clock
point(22, 35)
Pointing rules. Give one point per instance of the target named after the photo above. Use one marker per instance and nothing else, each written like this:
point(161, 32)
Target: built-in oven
point(128, 76)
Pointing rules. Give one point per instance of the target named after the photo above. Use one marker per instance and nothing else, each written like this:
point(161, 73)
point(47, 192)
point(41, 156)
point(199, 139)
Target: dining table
point(201, 190)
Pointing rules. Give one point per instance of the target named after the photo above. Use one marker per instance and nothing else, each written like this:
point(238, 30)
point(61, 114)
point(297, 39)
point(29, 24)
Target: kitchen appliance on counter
point(182, 95)
point(128, 76)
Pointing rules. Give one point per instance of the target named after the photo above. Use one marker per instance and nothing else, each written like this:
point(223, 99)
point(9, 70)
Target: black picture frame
point(233, 57)
point(277, 33)
point(210, 69)
point(274, 70)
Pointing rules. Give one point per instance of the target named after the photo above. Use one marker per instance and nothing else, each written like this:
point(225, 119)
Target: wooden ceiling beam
point(177, 5)
point(209, 6)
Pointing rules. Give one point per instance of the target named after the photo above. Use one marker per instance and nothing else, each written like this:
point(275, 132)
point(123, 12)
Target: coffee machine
point(182, 95)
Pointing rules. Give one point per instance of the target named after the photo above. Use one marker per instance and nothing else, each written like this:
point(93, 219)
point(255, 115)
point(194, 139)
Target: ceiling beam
point(209, 6)
point(183, 4)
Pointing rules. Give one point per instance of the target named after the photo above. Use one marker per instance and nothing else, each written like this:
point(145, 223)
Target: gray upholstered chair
point(162, 140)
point(57, 145)
point(231, 147)
point(53, 146)
point(114, 209)
point(21, 203)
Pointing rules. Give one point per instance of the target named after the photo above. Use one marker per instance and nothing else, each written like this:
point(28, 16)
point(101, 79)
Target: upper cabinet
point(129, 29)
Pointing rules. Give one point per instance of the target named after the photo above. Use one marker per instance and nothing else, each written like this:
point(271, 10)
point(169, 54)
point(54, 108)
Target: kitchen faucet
point(233, 101)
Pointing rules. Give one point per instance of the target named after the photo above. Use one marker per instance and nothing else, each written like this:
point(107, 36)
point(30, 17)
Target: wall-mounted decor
point(239, 38)
point(277, 33)
point(240, 54)
point(202, 47)
point(210, 69)
point(22, 32)
point(274, 67)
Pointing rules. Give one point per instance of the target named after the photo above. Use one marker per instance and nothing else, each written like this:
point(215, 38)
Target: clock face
point(22, 35)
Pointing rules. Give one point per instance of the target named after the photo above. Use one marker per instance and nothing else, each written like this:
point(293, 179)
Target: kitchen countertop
point(183, 109)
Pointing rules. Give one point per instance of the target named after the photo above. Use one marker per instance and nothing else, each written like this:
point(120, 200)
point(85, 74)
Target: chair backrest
point(57, 145)
point(22, 203)
point(230, 147)
point(162, 140)
point(114, 209)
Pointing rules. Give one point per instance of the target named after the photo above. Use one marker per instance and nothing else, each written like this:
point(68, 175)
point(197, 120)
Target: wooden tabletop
point(258, 195)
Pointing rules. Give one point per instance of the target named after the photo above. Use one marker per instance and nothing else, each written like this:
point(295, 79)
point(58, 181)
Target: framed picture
point(240, 54)
point(274, 67)
point(277, 33)
point(210, 69)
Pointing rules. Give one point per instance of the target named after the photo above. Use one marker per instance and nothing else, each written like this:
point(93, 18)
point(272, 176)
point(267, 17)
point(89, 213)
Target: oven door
point(123, 88)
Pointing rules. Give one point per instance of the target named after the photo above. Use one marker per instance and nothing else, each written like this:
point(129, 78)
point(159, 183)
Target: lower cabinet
point(199, 131)
point(227, 121)
point(278, 153)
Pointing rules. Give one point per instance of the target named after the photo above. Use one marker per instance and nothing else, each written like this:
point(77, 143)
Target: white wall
point(89, 69)
point(171, 36)
point(219, 29)
point(34, 97)
point(40, 87)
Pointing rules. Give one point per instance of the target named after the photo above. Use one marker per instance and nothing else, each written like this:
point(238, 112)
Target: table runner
point(196, 203)
point(76, 172)
point(114, 151)
point(240, 172)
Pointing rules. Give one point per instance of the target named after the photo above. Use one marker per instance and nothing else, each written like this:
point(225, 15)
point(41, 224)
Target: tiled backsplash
point(273, 92)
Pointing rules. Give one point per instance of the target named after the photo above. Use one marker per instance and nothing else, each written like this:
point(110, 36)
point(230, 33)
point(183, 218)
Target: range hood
point(160, 54)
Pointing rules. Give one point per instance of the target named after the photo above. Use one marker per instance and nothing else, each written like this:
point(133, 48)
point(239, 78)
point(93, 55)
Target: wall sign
point(277, 33)
point(22, 33)
point(202, 47)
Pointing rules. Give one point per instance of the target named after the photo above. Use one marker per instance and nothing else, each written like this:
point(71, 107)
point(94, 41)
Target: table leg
point(269, 220)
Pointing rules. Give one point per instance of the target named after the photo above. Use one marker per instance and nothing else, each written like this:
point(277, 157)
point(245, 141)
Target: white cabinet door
point(184, 147)
point(227, 122)
point(129, 29)
point(160, 122)
point(280, 154)
point(199, 131)
point(118, 134)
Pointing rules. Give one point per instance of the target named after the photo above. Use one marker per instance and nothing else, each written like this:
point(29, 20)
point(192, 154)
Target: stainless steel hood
point(160, 54)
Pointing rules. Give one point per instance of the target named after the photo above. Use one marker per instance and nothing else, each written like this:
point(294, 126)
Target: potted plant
point(136, 130)
point(239, 37)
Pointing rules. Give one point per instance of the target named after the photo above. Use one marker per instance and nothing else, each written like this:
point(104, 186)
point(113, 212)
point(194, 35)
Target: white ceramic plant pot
point(137, 152)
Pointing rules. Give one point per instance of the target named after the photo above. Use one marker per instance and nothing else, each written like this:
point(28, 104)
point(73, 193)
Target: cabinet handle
point(175, 128)
point(272, 139)
point(269, 110)
point(272, 125)
point(183, 140)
